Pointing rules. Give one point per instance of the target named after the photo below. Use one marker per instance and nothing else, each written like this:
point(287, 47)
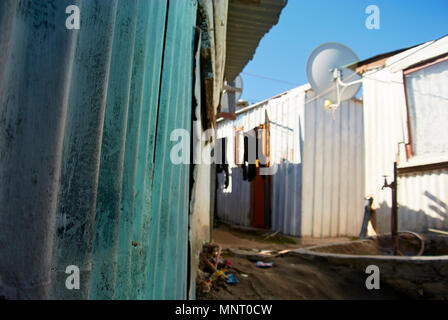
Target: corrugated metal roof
point(383, 56)
point(248, 22)
point(421, 48)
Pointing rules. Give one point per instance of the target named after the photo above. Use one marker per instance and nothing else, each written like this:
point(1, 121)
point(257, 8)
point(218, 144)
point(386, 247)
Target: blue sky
point(305, 24)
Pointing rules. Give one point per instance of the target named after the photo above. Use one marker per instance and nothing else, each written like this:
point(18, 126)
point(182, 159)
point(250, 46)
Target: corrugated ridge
point(256, 20)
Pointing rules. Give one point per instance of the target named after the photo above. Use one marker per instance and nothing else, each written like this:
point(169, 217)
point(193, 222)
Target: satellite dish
point(326, 71)
point(232, 93)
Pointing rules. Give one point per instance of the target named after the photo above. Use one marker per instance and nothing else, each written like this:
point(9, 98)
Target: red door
point(258, 202)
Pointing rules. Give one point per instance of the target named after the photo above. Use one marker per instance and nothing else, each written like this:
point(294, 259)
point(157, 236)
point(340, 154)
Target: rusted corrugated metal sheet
point(85, 118)
point(256, 18)
point(317, 189)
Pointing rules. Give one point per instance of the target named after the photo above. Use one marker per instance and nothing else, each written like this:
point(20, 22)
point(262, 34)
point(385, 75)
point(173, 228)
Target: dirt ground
point(290, 278)
point(248, 238)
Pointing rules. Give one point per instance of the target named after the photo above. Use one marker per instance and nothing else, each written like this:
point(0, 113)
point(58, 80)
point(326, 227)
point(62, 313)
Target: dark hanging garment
point(224, 161)
point(252, 172)
point(227, 181)
point(244, 168)
point(221, 146)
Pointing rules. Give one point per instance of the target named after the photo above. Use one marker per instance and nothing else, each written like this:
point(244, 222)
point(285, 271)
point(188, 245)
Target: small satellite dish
point(326, 72)
point(232, 93)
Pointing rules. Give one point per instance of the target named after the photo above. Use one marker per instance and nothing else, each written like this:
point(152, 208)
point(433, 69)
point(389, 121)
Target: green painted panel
point(104, 195)
point(123, 284)
point(81, 147)
point(150, 102)
point(105, 242)
point(167, 265)
point(35, 78)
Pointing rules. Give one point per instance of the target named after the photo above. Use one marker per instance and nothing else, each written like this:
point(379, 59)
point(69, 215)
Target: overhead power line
point(348, 78)
point(268, 78)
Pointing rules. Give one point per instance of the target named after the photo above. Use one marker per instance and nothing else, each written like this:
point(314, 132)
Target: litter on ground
point(261, 264)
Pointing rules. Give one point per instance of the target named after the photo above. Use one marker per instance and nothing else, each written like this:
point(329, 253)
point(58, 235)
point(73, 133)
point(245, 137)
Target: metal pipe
point(343, 84)
point(339, 83)
point(394, 212)
point(394, 209)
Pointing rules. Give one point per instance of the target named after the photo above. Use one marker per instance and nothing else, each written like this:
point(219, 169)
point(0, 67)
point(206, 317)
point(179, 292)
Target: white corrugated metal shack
point(405, 98)
point(318, 159)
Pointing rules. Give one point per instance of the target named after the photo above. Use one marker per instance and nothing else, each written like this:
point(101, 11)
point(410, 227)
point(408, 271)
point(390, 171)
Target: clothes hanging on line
point(221, 160)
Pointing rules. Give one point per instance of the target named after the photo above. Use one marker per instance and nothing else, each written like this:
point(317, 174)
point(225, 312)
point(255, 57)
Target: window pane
point(427, 91)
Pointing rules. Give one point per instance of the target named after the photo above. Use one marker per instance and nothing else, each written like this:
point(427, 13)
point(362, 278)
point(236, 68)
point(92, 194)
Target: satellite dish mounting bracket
point(337, 75)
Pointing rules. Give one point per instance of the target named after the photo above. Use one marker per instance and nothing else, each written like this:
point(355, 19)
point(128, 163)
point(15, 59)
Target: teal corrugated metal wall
point(107, 217)
point(85, 123)
point(169, 205)
point(82, 145)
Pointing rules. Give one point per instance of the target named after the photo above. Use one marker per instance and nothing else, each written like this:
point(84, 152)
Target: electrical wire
point(422, 93)
point(353, 74)
point(372, 73)
point(268, 78)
